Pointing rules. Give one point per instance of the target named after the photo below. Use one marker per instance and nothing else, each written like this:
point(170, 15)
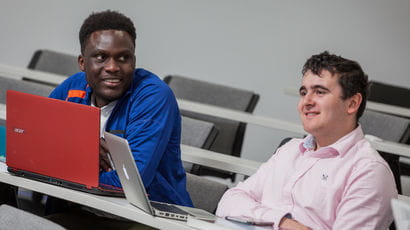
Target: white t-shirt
point(105, 114)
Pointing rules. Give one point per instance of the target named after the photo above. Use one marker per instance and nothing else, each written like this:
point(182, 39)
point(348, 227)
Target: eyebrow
point(320, 87)
point(314, 87)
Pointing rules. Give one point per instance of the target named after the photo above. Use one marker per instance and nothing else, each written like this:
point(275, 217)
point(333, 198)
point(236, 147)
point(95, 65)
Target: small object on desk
point(248, 221)
point(3, 167)
point(401, 214)
point(222, 224)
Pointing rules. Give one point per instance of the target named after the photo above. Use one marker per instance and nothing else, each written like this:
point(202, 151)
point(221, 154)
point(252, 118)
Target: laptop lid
point(128, 173)
point(134, 187)
point(52, 138)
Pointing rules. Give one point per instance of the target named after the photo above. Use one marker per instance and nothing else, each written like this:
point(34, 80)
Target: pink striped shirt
point(346, 185)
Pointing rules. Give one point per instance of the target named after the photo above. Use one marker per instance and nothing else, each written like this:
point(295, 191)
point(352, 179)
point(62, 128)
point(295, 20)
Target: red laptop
point(54, 141)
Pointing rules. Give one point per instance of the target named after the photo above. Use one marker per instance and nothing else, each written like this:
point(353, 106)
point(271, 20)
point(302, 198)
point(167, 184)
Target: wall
point(257, 45)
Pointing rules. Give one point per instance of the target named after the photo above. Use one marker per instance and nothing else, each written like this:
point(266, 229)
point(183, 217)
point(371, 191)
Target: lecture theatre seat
point(53, 62)
point(197, 133)
point(391, 128)
point(12, 218)
point(231, 133)
point(22, 86)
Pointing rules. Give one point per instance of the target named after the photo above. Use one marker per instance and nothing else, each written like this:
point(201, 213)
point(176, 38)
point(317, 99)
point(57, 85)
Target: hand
point(104, 161)
point(290, 224)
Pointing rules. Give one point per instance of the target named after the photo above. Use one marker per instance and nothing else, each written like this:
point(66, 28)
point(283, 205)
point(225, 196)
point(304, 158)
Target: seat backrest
point(12, 218)
point(392, 128)
point(197, 133)
point(389, 94)
point(22, 86)
point(385, 126)
point(231, 133)
point(53, 62)
point(205, 193)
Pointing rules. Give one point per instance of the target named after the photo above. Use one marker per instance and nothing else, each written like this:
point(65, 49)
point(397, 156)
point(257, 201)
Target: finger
point(103, 157)
point(105, 165)
point(103, 146)
point(105, 162)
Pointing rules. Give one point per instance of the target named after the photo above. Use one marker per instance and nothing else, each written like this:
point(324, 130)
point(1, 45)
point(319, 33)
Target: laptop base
point(168, 211)
point(118, 192)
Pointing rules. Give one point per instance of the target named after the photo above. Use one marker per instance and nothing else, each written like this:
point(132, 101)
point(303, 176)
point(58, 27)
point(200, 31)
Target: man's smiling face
point(321, 108)
point(109, 63)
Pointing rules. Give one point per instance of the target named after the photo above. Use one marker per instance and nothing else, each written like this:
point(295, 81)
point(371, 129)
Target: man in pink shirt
point(333, 178)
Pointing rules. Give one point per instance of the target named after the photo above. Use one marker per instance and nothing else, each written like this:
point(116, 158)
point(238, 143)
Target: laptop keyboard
point(167, 208)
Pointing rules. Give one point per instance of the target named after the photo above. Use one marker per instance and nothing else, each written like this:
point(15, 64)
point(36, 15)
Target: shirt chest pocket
point(320, 192)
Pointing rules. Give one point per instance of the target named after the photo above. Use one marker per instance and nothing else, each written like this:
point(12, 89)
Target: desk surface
point(118, 206)
point(2, 111)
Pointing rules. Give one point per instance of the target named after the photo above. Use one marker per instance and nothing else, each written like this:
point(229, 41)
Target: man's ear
point(354, 103)
point(80, 61)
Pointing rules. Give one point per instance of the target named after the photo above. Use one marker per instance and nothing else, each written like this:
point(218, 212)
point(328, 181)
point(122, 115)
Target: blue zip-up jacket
point(147, 115)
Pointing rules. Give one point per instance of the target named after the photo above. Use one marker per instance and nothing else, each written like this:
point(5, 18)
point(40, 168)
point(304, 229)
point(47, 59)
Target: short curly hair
point(105, 20)
point(352, 79)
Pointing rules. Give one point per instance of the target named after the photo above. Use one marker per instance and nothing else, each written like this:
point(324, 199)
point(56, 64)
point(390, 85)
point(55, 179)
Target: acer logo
point(18, 130)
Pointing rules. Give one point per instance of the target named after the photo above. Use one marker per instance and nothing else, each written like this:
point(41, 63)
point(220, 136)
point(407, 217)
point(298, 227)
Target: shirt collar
point(340, 147)
point(106, 108)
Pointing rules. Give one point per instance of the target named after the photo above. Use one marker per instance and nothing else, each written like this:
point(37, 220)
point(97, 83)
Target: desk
point(18, 73)
point(218, 160)
point(118, 206)
point(2, 111)
point(236, 115)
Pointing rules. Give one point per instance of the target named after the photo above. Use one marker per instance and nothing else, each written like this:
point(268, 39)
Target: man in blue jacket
point(135, 104)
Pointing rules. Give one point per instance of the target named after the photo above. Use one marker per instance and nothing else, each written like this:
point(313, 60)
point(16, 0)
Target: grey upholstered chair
point(12, 218)
point(389, 94)
point(197, 133)
point(53, 62)
point(205, 194)
point(22, 86)
point(388, 127)
point(231, 133)
point(398, 96)
point(385, 126)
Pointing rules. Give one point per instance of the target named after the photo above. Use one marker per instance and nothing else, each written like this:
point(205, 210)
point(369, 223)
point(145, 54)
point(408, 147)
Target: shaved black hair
point(105, 20)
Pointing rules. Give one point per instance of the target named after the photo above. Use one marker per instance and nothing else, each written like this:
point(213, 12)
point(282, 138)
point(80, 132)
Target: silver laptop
point(401, 214)
point(134, 189)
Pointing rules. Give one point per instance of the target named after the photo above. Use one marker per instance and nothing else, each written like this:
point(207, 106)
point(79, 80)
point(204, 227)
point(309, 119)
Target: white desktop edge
point(117, 206)
point(240, 116)
point(218, 160)
point(18, 72)
point(2, 111)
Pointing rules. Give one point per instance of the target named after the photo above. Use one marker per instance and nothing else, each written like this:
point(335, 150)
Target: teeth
point(112, 80)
